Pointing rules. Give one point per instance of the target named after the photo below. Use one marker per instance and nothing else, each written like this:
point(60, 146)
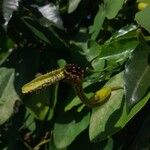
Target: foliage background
point(110, 39)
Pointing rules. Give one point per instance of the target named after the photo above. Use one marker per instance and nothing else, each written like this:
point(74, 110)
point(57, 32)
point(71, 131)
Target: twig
point(40, 144)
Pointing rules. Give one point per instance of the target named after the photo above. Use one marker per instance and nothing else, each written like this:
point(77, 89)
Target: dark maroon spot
point(73, 72)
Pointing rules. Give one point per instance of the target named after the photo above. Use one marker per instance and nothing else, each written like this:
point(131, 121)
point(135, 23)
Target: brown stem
point(89, 102)
point(80, 93)
point(37, 147)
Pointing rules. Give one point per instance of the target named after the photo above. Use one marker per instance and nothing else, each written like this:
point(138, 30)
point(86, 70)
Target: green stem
point(116, 88)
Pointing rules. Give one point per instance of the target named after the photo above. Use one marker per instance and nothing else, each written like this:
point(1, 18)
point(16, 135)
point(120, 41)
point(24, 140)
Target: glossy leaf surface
point(137, 72)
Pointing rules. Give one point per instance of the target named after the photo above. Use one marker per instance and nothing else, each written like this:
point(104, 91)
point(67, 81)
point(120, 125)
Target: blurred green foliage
point(109, 39)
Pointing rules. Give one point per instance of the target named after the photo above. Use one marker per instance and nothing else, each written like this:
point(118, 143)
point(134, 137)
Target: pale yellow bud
point(142, 6)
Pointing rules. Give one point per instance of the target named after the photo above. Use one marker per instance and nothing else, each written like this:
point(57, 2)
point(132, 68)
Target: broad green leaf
point(36, 31)
point(93, 50)
point(137, 74)
point(98, 22)
point(114, 52)
point(8, 95)
point(121, 43)
point(73, 4)
point(75, 102)
point(48, 35)
point(42, 105)
point(127, 116)
point(110, 144)
point(65, 133)
point(104, 117)
point(30, 121)
point(113, 7)
point(113, 115)
point(117, 48)
point(142, 18)
point(125, 32)
point(109, 9)
point(53, 147)
point(8, 7)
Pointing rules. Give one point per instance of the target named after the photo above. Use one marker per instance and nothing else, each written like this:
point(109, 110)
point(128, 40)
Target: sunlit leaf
point(30, 121)
point(98, 22)
point(76, 101)
point(113, 115)
point(114, 52)
point(73, 4)
point(109, 9)
point(142, 18)
point(65, 133)
point(113, 7)
point(8, 95)
point(104, 117)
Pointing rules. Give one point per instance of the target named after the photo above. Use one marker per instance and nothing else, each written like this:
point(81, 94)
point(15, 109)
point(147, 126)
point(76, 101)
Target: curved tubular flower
point(74, 75)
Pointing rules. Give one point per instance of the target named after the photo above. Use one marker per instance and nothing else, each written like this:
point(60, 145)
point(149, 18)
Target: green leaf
point(109, 9)
point(53, 147)
point(98, 22)
point(8, 95)
point(127, 116)
point(65, 133)
point(114, 52)
point(73, 4)
point(104, 117)
point(113, 115)
point(36, 31)
point(76, 101)
point(113, 7)
point(93, 50)
point(30, 121)
point(137, 74)
point(121, 43)
point(110, 144)
point(41, 105)
point(48, 35)
point(142, 18)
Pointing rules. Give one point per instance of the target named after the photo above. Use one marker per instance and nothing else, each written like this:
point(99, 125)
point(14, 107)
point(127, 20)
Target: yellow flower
point(142, 5)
